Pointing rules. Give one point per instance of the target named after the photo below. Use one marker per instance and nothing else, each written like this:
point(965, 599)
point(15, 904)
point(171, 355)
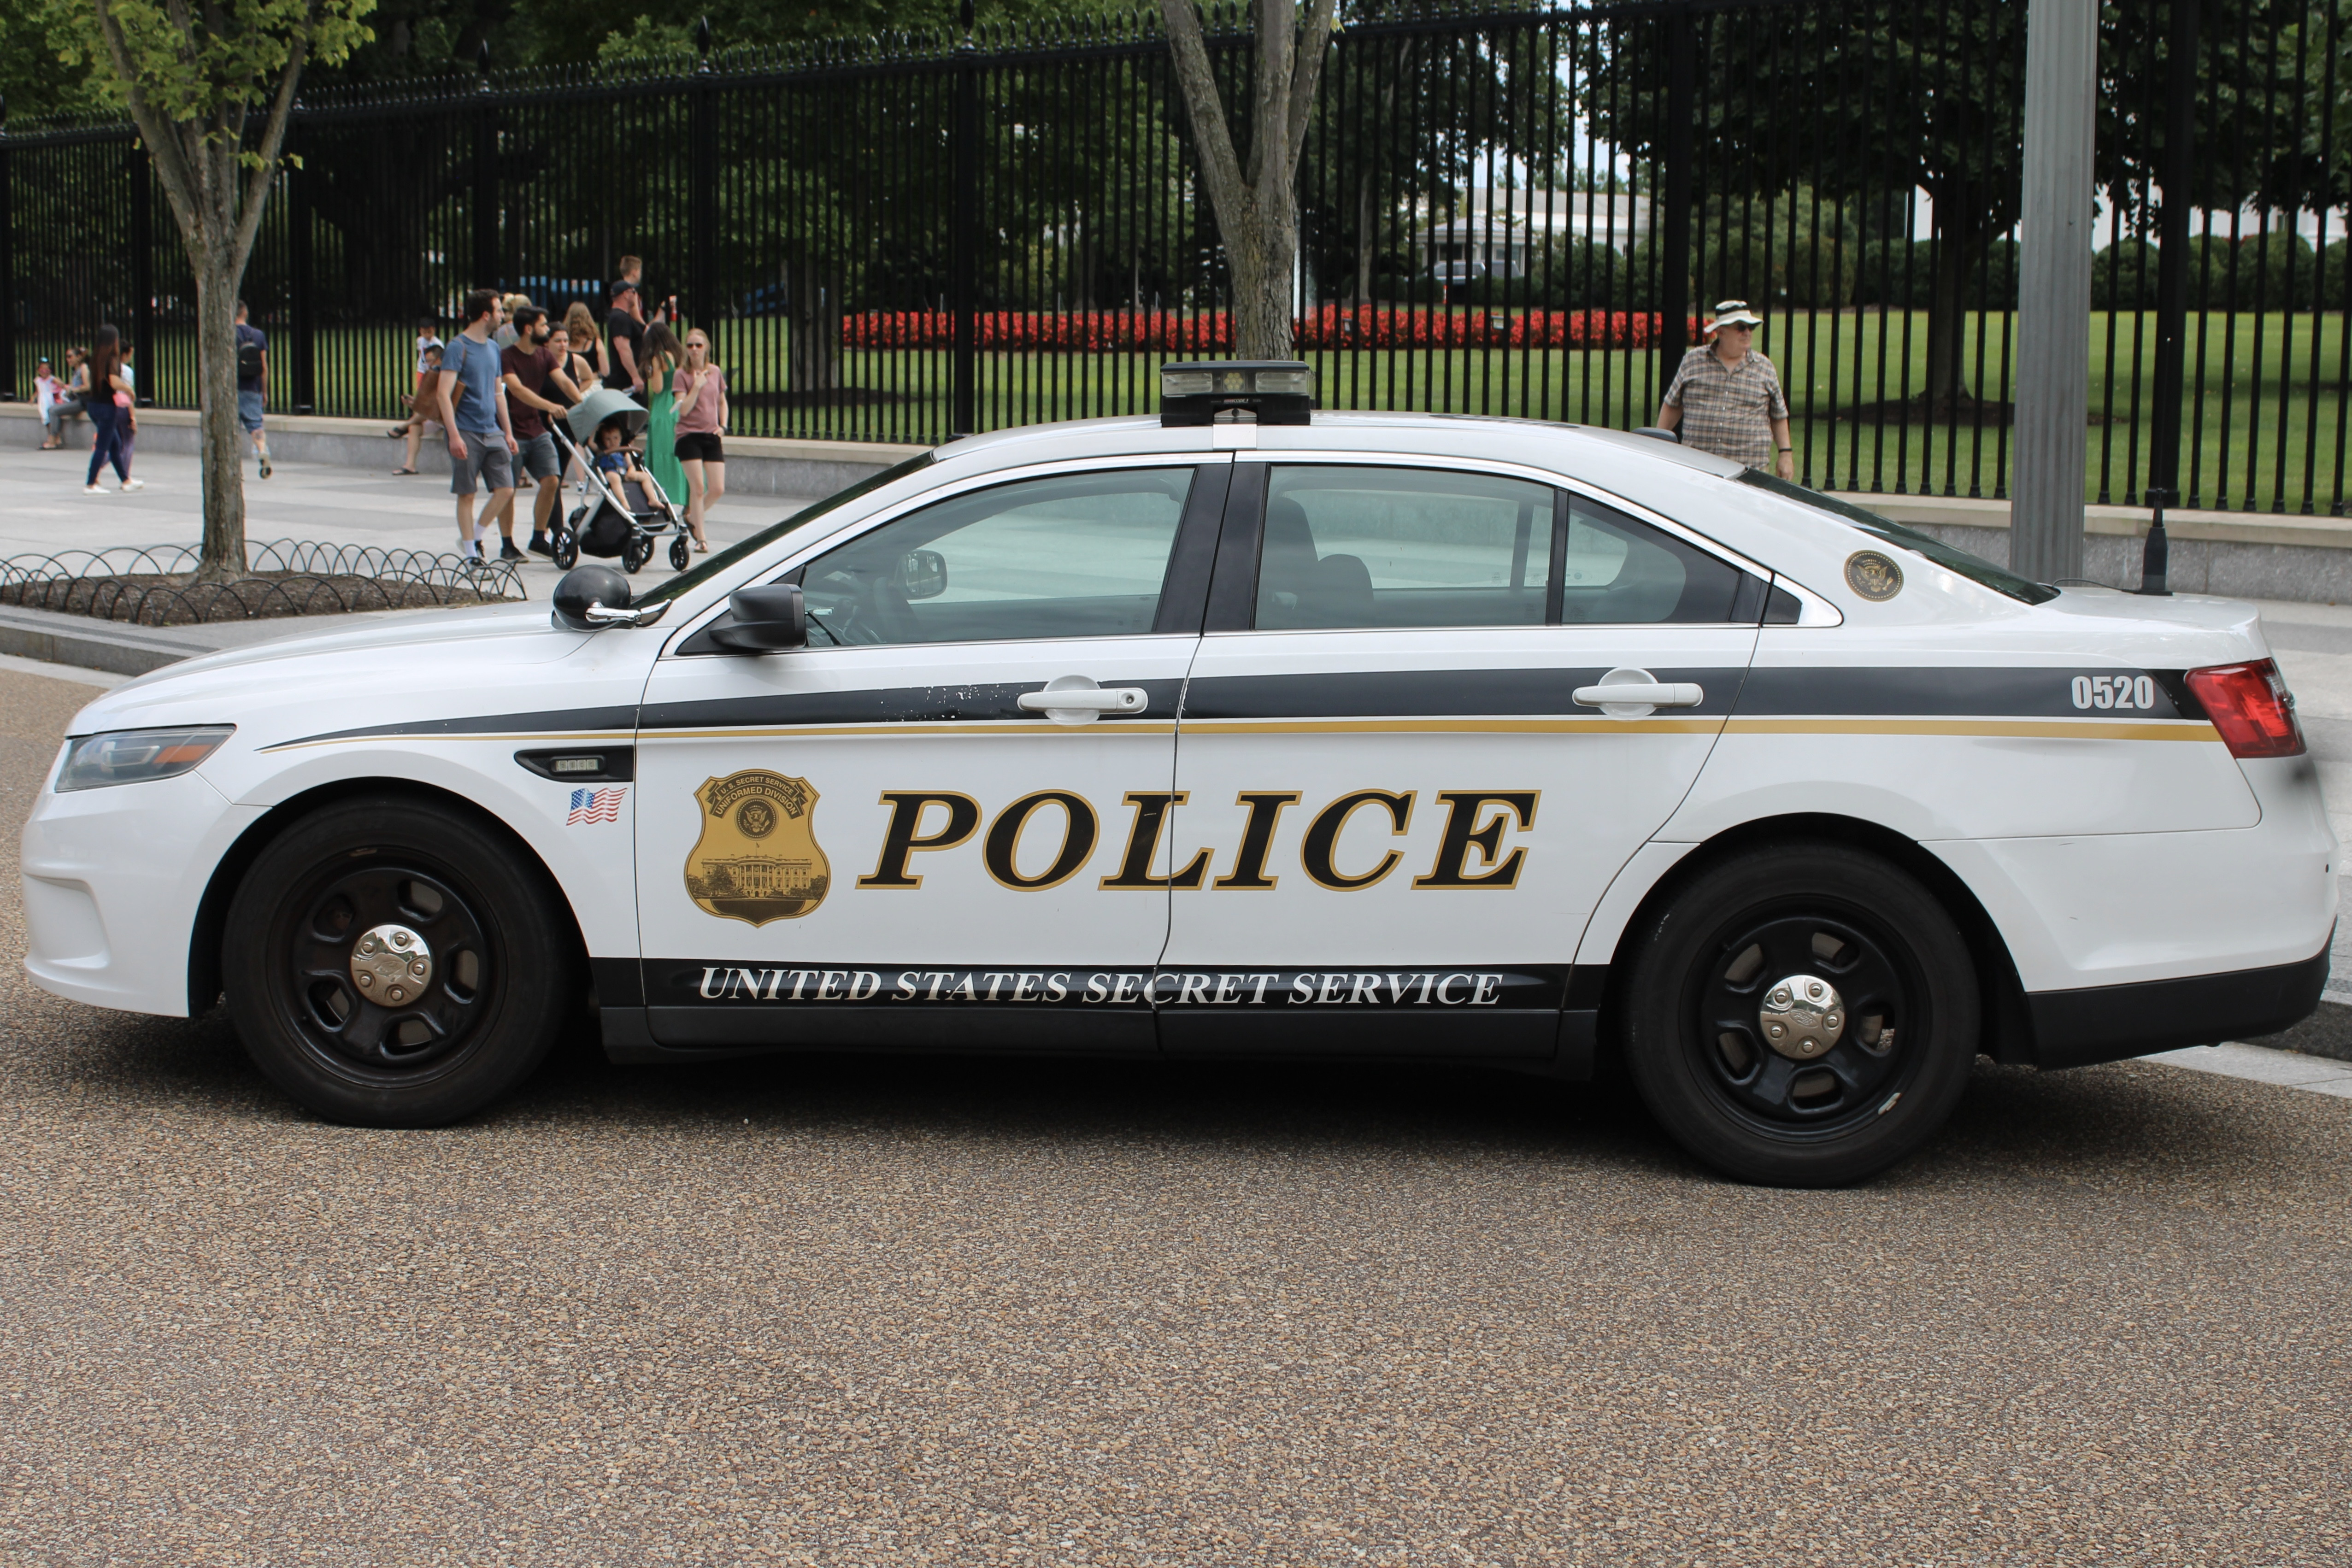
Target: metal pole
point(486, 181)
point(2171, 289)
point(298, 258)
point(1673, 255)
point(143, 270)
point(963, 245)
point(2053, 306)
point(7, 265)
point(703, 198)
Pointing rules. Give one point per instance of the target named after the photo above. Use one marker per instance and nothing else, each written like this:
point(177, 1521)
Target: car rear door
point(875, 840)
point(1393, 817)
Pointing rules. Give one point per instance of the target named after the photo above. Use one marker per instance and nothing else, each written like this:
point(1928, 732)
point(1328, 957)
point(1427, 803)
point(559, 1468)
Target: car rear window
point(1975, 568)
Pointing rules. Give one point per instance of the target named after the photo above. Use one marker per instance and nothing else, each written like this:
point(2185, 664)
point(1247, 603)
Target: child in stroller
point(622, 509)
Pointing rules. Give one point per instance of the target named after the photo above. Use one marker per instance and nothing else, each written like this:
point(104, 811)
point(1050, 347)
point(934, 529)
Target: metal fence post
point(702, 189)
point(2171, 289)
point(8, 306)
point(298, 260)
point(486, 181)
point(1674, 254)
point(963, 238)
point(2053, 303)
point(143, 268)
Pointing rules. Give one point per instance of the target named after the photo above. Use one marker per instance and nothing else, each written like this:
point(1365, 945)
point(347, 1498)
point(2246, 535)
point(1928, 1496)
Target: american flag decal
point(594, 806)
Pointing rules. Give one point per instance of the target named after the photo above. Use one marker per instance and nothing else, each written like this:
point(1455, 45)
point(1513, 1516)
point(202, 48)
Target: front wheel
point(678, 554)
point(393, 965)
point(635, 553)
point(1801, 1015)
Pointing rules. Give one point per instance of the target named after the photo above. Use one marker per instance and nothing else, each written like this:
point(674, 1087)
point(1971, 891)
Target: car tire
point(464, 947)
point(1753, 1071)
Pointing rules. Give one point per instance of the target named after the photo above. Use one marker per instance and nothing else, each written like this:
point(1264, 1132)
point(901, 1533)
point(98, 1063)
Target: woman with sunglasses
point(698, 392)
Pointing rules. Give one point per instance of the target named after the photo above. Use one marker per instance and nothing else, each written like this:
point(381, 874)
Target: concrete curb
point(2327, 1032)
point(756, 465)
point(92, 645)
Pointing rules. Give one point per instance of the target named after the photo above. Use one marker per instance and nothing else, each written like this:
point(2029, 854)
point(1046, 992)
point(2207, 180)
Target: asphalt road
point(852, 1314)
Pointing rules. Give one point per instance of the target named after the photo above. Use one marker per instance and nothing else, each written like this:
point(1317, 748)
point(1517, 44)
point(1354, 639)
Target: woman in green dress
point(663, 355)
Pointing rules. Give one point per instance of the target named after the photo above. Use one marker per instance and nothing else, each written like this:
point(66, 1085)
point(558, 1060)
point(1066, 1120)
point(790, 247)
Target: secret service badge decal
point(758, 858)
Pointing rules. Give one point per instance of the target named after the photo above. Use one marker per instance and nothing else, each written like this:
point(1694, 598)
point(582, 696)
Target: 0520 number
point(2113, 691)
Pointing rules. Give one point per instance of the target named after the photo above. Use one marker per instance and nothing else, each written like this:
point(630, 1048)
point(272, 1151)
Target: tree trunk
point(1261, 260)
point(814, 361)
point(223, 555)
point(1960, 249)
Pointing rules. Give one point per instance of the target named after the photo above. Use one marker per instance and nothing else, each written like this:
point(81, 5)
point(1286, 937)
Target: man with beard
point(527, 367)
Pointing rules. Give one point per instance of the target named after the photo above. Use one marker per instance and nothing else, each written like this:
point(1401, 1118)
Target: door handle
point(1655, 693)
point(1627, 693)
point(1075, 699)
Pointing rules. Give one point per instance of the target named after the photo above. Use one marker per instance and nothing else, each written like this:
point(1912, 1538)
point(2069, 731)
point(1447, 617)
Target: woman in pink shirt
point(698, 392)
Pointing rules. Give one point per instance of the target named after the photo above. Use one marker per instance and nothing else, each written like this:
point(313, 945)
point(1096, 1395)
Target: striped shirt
point(1729, 409)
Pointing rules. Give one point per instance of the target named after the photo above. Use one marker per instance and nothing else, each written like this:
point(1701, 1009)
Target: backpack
point(249, 358)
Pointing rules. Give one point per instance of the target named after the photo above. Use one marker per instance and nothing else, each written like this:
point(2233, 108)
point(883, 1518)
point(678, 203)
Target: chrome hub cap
point(1803, 1017)
point(391, 965)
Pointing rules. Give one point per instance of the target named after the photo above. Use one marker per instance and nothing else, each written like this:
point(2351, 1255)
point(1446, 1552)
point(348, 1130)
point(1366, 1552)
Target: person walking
point(699, 389)
point(49, 396)
point(526, 370)
point(253, 384)
point(424, 407)
point(624, 327)
point(663, 357)
point(506, 336)
point(580, 330)
point(1725, 398)
point(110, 401)
point(75, 402)
point(473, 403)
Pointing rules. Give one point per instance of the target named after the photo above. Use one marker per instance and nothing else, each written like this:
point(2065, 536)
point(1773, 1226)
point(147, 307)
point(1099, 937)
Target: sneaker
point(130, 485)
point(507, 551)
point(539, 545)
point(264, 465)
point(95, 490)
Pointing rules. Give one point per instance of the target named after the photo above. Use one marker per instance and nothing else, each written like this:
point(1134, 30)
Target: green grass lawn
point(2255, 436)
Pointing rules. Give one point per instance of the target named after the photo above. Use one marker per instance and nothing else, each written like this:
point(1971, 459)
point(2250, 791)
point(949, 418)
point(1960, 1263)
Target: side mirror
point(923, 574)
point(767, 620)
point(590, 598)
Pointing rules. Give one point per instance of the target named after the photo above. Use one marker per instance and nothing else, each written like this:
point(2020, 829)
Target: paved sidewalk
point(49, 513)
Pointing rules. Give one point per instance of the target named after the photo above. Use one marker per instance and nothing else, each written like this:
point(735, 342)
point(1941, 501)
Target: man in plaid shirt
point(1726, 397)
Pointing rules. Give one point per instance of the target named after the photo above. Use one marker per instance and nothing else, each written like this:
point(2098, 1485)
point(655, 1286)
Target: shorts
point(700, 446)
point(486, 458)
point(535, 458)
point(248, 410)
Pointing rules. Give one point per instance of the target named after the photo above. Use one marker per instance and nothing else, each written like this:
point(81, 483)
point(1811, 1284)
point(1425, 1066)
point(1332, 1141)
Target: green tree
point(209, 90)
point(1257, 203)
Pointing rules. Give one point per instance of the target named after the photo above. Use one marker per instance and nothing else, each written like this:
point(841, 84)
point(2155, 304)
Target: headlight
point(135, 756)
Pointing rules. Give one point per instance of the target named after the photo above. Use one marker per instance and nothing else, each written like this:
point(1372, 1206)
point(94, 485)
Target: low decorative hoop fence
point(158, 586)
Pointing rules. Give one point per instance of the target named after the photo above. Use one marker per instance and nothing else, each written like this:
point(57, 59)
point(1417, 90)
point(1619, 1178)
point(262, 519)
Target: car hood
point(400, 655)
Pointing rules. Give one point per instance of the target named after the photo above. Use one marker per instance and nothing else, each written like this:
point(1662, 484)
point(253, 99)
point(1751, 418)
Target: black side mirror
point(767, 620)
point(590, 598)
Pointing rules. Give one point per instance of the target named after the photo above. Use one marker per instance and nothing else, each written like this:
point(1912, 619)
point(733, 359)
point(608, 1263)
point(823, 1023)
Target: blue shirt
point(477, 365)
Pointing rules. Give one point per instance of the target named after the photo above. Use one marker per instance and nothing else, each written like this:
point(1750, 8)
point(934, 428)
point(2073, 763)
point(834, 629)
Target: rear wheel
point(391, 965)
point(678, 554)
point(1801, 1015)
point(566, 544)
point(636, 552)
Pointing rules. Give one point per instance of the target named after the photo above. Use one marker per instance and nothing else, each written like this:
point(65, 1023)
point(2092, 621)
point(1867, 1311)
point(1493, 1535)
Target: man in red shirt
point(526, 369)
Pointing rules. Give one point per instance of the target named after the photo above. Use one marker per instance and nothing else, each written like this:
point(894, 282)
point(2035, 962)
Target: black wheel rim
point(373, 1038)
point(1807, 1088)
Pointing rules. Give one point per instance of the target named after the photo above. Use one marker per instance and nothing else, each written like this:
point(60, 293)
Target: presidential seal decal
point(1873, 576)
point(757, 859)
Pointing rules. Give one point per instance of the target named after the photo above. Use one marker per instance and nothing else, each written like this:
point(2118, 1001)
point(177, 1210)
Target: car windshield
point(774, 531)
point(1972, 567)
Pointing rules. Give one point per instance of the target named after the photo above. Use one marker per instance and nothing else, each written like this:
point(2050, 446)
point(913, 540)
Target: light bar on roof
point(1275, 391)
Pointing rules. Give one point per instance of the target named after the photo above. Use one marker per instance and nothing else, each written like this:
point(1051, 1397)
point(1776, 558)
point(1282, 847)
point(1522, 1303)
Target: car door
point(1394, 816)
point(858, 841)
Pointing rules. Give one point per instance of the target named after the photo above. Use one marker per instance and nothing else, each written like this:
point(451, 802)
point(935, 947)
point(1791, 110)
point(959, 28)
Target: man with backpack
point(252, 385)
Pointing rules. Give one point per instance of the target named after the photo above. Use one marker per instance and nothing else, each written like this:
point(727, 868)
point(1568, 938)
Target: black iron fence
point(1519, 212)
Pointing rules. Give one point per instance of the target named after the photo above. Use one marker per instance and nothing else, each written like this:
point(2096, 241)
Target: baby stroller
point(614, 518)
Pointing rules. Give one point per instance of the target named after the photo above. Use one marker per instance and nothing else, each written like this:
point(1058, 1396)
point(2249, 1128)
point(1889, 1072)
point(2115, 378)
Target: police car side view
point(1247, 731)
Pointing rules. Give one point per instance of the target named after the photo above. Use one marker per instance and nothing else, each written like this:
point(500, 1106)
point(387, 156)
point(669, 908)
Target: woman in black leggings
point(109, 421)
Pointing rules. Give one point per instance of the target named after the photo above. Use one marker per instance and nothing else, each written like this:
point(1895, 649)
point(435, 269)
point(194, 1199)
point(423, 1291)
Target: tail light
point(2252, 707)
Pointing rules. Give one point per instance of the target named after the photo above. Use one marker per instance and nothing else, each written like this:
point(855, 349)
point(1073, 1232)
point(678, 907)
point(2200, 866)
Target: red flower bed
point(1328, 327)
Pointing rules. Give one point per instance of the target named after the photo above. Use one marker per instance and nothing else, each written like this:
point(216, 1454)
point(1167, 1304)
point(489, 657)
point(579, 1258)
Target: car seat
point(1298, 588)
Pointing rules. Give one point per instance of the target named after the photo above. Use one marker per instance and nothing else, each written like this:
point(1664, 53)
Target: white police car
point(1363, 736)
